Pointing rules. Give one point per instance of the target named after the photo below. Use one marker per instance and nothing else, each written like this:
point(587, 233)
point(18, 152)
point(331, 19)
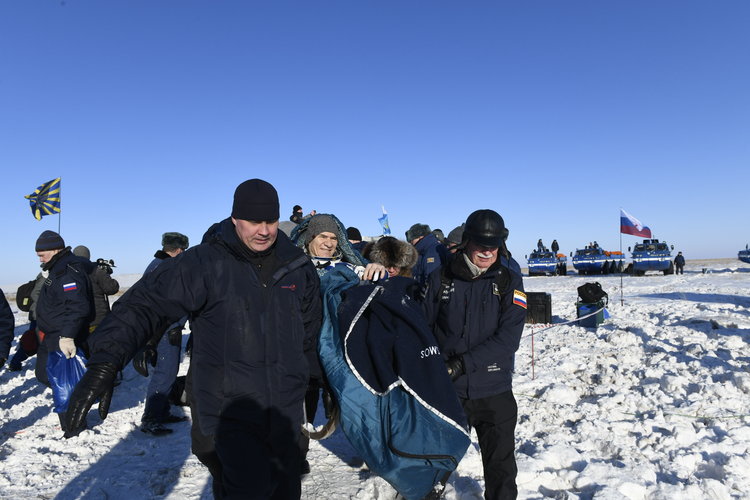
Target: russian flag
point(69, 287)
point(631, 225)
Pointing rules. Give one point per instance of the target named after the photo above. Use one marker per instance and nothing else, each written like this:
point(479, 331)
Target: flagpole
point(59, 214)
point(622, 301)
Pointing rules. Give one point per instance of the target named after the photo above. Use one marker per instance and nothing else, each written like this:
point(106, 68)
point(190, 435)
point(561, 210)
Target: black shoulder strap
point(500, 285)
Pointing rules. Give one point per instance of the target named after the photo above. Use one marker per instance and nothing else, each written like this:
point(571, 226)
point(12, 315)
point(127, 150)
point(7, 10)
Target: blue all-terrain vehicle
point(744, 255)
point(652, 255)
point(547, 263)
point(595, 260)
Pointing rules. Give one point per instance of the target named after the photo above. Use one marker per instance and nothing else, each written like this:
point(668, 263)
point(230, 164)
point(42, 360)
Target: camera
point(105, 264)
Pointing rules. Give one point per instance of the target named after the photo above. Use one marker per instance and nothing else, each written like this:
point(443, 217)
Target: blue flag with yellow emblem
point(45, 200)
point(384, 222)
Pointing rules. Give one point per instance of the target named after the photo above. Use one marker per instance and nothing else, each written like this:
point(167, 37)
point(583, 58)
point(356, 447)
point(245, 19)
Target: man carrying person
point(476, 307)
point(253, 300)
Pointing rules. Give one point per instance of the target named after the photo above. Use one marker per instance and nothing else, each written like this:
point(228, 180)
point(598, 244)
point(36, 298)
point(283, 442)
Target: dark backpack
point(23, 296)
point(591, 292)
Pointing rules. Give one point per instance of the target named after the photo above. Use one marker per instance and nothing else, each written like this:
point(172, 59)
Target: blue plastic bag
point(64, 374)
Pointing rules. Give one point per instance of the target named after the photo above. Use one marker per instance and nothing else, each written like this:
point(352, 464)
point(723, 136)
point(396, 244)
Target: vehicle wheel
point(619, 267)
point(670, 270)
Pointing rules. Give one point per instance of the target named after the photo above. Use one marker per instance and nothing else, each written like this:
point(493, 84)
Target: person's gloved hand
point(97, 383)
point(2, 362)
point(175, 336)
point(68, 347)
point(143, 358)
point(455, 367)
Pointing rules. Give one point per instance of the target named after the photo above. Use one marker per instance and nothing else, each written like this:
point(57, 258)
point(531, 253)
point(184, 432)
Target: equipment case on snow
point(585, 308)
point(539, 307)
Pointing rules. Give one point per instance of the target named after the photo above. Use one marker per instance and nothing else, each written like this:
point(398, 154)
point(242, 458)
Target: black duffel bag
point(591, 292)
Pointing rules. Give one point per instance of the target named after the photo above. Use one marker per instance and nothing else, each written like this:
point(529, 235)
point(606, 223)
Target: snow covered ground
point(653, 404)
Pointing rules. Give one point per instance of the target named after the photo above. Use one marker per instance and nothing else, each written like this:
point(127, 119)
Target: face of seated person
point(323, 245)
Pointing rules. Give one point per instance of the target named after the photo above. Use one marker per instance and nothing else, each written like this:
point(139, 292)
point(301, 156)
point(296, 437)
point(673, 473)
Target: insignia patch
point(69, 287)
point(519, 298)
point(430, 260)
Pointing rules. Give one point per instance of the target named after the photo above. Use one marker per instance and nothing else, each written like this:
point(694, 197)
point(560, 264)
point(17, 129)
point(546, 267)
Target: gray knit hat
point(49, 240)
point(416, 231)
point(320, 223)
point(82, 251)
point(454, 237)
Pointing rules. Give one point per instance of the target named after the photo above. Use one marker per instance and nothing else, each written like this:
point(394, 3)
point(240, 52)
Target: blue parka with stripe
point(249, 337)
point(480, 319)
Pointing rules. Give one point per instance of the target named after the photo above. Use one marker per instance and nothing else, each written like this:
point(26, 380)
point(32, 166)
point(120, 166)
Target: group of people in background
point(252, 295)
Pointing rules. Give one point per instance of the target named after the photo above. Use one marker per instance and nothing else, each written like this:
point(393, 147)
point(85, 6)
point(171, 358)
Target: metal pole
point(622, 301)
point(59, 214)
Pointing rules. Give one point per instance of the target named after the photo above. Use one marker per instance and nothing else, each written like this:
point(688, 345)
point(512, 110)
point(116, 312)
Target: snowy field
point(653, 404)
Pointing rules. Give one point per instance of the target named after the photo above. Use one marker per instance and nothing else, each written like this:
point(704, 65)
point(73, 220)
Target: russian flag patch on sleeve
point(519, 298)
point(69, 287)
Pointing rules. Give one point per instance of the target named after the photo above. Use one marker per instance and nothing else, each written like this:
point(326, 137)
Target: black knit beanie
point(352, 233)
point(256, 200)
point(49, 240)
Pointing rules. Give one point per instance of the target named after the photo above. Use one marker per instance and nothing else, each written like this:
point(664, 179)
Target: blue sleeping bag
point(398, 406)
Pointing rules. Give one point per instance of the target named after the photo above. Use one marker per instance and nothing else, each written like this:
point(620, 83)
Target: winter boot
point(154, 428)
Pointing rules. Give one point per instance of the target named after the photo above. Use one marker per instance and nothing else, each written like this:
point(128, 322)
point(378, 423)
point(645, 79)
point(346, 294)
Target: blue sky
point(554, 113)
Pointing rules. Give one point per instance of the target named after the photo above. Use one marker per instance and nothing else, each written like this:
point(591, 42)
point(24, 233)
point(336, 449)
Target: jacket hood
point(348, 253)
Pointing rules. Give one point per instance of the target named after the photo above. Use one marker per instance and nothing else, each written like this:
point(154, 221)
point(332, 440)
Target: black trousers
point(42, 354)
point(494, 419)
point(249, 461)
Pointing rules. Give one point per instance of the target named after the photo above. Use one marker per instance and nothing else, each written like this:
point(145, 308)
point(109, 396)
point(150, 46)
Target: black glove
point(175, 336)
point(97, 383)
point(2, 362)
point(143, 358)
point(455, 367)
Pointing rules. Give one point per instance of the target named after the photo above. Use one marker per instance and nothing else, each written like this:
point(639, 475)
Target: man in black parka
point(65, 306)
point(476, 307)
point(253, 300)
point(679, 263)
